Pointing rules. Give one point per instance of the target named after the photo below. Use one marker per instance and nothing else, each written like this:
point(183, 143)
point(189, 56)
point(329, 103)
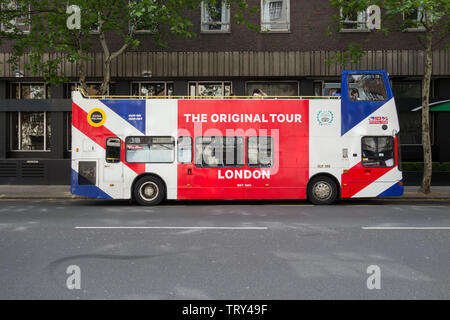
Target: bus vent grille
point(8, 169)
point(33, 170)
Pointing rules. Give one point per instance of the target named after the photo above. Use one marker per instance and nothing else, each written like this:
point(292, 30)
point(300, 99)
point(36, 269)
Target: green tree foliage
point(431, 17)
point(49, 41)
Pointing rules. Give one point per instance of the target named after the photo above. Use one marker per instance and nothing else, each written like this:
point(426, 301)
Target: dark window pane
point(113, 150)
point(32, 130)
point(184, 149)
point(217, 151)
point(87, 173)
point(366, 87)
point(378, 152)
point(149, 149)
point(259, 151)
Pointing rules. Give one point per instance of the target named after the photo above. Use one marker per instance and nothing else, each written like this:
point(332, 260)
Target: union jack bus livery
point(317, 148)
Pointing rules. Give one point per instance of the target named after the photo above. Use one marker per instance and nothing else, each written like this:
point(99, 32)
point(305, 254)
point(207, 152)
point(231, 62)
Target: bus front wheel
point(149, 191)
point(322, 190)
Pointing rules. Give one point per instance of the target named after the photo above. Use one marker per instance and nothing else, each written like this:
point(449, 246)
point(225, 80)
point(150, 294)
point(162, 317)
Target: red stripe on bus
point(359, 177)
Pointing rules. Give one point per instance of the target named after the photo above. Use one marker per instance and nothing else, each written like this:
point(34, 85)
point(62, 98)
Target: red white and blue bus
point(316, 148)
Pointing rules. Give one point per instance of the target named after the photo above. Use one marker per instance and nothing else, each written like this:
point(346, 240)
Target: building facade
point(288, 58)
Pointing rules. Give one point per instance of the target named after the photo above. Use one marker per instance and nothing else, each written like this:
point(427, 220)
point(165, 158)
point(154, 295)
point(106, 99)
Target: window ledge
point(414, 30)
point(215, 32)
point(354, 31)
point(275, 31)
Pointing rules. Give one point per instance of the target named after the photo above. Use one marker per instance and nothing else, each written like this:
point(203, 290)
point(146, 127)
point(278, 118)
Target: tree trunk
point(82, 76)
point(106, 77)
point(426, 141)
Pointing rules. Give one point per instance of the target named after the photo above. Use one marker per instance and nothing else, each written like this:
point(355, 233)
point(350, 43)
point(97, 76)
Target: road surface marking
point(406, 228)
point(177, 228)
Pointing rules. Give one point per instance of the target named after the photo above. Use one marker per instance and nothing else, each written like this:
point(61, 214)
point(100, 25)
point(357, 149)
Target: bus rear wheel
point(322, 190)
point(149, 191)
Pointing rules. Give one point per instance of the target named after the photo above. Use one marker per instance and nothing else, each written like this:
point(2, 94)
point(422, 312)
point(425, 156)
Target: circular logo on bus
point(325, 117)
point(96, 117)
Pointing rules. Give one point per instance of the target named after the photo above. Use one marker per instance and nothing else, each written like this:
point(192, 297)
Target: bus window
point(217, 151)
point(366, 87)
point(184, 149)
point(150, 149)
point(113, 150)
point(259, 152)
point(378, 152)
point(87, 173)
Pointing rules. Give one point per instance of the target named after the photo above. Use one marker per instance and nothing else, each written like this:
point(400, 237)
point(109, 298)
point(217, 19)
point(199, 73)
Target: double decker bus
point(318, 148)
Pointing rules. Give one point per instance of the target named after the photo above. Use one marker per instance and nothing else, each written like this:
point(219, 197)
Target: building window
point(20, 22)
point(149, 149)
point(138, 24)
point(260, 152)
point(411, 128)
point(216, 17)
point(149, 89)
point(209, 89)
point(274, 88)
point(30, 131)
point(217, 151)
point(355, 21)
point(93, 89)
point(378, 152)
point(275, 15)
point(412, 20)
point(29, 91)
point(407, 89)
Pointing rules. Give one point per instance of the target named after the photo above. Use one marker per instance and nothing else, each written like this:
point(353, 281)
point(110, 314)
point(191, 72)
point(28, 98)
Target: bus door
point(112, 165)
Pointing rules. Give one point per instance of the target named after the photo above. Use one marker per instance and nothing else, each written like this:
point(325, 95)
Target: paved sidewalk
point(63, 192)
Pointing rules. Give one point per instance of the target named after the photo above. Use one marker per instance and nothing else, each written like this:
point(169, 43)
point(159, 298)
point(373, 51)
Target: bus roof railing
point(85, 95)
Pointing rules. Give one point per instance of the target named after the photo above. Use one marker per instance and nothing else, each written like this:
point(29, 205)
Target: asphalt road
point(224, 250)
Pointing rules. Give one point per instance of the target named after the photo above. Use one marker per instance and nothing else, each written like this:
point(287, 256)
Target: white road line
point(182, 228)
point(406, 228)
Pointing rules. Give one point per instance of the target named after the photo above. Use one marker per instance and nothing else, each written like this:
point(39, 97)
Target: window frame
point(205, 23)
point(356, 22)
point(3, 27)
point(266, 26)
point(272, 154)
point(19, 138)
point(247, 83)
point(201, 166)
point(168, 162)
point(140, 83)
point(20, 84)
point(197, 83)
point(421, 28)
point(393, 152)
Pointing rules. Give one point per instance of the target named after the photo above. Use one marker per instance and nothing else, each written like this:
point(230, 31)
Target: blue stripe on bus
point(132, 111)
point(353, 112)
point(394, 191)
point(89, 191)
